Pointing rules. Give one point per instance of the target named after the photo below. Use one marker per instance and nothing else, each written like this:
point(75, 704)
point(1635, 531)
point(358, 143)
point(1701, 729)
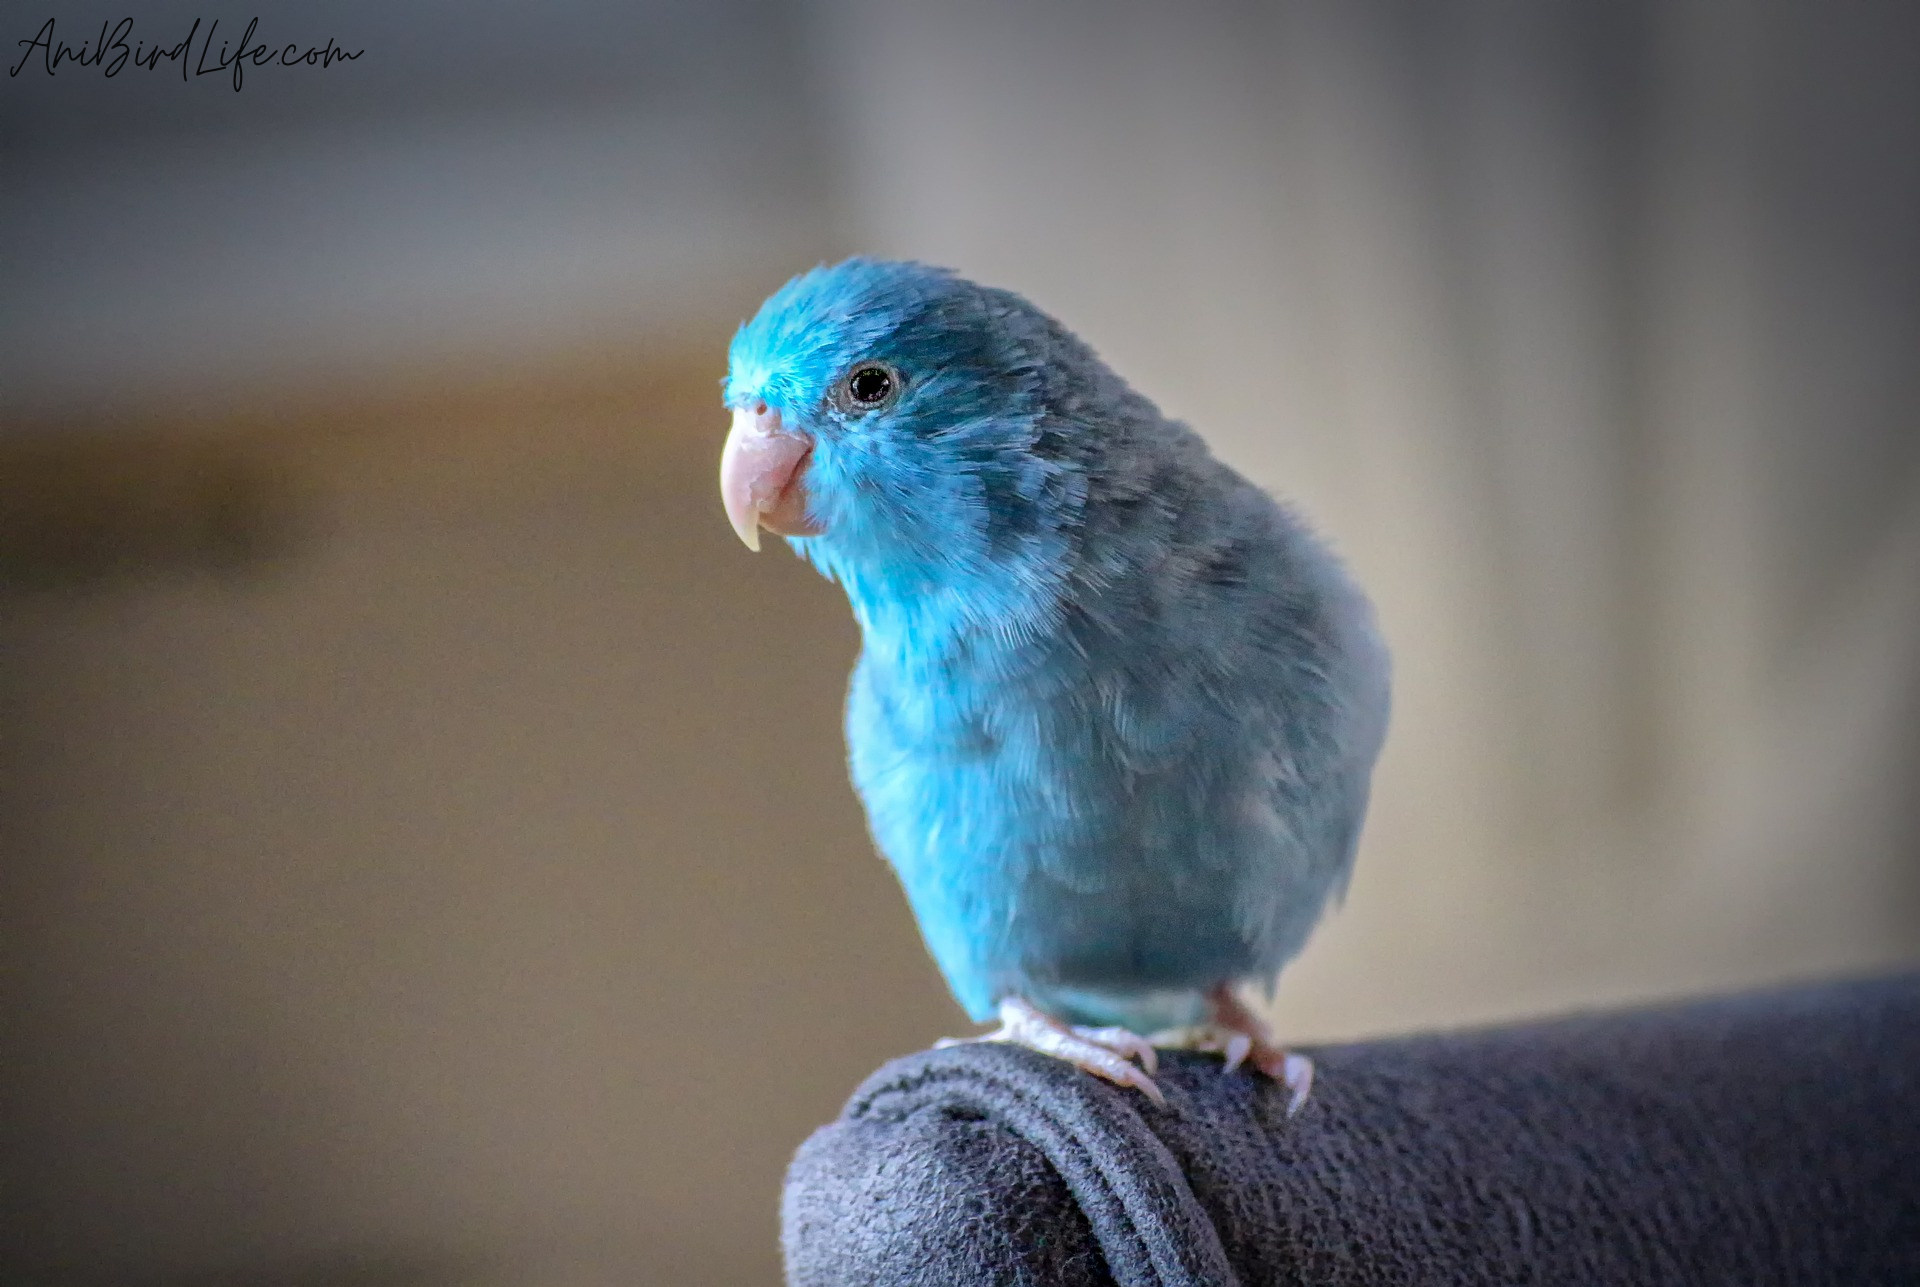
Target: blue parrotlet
point(1116, 710)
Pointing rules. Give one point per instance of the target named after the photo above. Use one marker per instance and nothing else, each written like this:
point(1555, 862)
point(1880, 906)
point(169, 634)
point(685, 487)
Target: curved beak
point(761, 481)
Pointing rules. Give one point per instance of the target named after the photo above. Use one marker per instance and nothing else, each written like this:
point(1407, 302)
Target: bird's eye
point(868, 387)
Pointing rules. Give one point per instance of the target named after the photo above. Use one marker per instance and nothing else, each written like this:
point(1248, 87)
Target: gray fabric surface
point(1766, 1138)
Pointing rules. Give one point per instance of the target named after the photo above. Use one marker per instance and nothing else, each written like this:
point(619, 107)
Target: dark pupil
point(869, 385)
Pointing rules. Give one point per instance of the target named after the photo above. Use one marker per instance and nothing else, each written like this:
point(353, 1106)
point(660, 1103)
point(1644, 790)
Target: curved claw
point(1243, 1038)
point(1295, 1072)
point(1104, 1052)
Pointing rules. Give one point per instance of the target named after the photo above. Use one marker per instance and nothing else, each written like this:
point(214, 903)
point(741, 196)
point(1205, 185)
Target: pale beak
point(761, 481)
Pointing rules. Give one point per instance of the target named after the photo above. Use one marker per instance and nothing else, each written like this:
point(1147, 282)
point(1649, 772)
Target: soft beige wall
point(471, 893)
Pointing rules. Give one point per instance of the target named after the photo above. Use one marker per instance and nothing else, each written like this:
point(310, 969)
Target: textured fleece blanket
point(1765, 1138)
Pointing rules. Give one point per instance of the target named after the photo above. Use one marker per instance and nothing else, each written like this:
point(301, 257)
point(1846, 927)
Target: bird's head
point(898, 424)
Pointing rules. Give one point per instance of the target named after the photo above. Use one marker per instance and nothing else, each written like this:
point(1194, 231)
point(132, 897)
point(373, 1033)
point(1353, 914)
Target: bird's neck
point(929, 620)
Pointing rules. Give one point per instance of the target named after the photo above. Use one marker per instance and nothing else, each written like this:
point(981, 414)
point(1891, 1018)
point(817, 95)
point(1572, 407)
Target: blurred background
point(425, 850)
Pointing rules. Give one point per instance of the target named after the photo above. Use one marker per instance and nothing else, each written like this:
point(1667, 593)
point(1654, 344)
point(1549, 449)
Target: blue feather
point(1116, 710)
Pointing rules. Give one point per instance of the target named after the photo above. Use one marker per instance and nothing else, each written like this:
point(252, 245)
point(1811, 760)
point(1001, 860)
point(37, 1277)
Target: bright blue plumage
point(1116, 710)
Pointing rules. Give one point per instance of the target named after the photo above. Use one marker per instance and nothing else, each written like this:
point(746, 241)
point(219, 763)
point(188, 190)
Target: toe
point(1124, 1042)
point(1101, 1062)
point(1102, 1052)
point(1132, 1045)
point(1104, 1063)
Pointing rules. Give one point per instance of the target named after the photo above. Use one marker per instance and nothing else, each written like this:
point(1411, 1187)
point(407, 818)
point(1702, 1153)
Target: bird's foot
point(1104, 1052)
point(1243, 1037)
